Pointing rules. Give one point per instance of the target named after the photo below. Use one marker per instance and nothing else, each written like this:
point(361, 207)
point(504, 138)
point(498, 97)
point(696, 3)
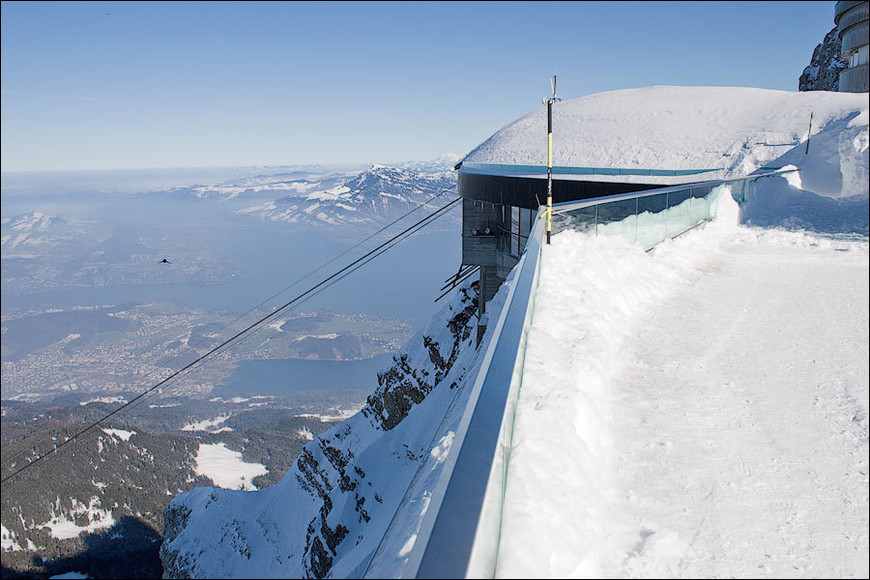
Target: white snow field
point(698, 411)
point(226, 468)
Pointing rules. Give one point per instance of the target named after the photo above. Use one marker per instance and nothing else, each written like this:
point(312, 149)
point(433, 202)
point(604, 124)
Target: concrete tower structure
point(853, 27)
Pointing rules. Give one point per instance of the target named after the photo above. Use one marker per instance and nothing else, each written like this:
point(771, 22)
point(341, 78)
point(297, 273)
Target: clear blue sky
point(109, 85)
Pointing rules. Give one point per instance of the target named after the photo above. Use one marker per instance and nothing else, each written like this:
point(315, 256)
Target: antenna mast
point(549, 102)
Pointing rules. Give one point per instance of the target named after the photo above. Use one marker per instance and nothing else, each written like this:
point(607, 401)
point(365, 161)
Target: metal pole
point(549, 168)
point(808, 134)
point(549, 101)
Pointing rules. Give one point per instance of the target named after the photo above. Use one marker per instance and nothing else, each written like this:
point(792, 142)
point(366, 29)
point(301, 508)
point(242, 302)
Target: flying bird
point(164, 261)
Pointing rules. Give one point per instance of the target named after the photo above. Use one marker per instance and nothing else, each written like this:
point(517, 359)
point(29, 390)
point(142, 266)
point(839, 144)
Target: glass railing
point(456, 535)
point(653, 216)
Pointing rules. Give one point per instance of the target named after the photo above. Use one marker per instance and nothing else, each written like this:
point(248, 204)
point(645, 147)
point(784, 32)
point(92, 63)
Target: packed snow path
point(700, 411)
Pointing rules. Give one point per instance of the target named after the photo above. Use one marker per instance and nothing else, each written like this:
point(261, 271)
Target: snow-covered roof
point(734, 131)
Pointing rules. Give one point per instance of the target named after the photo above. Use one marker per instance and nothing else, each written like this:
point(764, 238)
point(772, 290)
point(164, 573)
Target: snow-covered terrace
point(660, 406)
point(697, 411)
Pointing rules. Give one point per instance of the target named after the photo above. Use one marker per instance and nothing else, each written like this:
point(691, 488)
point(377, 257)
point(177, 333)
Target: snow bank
point(121, 434)
point(697, 411)
point(9, 542)
point(210, 425)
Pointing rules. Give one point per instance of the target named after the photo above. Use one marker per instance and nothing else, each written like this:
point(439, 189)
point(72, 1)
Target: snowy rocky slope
point(329, 513)
point(823, 73)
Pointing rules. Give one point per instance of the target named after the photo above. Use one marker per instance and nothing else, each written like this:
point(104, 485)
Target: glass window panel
point(680, 214)
point(700, 191)
point(651, 220)
point(581, 220)
point(618, 218)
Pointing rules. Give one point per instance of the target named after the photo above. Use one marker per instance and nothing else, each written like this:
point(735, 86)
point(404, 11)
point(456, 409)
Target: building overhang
point(526, 185)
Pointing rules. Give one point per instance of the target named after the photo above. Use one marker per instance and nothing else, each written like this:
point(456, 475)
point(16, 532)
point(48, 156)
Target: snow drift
point(699, 411)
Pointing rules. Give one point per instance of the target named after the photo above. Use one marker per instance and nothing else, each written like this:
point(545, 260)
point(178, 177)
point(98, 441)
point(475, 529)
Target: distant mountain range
point(41, 250)
point(27, 234)
point(379, 194)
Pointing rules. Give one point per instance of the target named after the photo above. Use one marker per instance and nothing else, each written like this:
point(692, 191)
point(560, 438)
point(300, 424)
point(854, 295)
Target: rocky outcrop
point(404, 385)
point(823, 74)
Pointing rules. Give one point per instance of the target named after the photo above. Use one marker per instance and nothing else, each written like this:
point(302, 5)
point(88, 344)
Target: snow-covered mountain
point(105, 518)
point(38, 232)
point(258, 187)
point(375, 195)
point(440, 164)
point(379, 194)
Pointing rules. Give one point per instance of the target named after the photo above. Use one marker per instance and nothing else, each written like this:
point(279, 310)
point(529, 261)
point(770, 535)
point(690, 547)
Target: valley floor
point(699, 411)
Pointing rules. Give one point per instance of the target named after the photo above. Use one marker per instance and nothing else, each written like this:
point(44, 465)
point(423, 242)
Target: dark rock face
point(175, 519)
point(823, 74)
point(402, 386)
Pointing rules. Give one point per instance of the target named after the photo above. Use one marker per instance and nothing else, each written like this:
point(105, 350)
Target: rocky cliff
point(823, 74)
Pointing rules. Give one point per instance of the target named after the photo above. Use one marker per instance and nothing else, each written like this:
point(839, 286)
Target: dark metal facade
point(531, 192)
